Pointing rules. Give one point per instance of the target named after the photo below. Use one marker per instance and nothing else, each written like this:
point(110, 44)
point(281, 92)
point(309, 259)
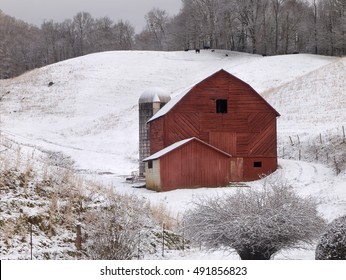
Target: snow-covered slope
point(90, 113)
point(315, 101)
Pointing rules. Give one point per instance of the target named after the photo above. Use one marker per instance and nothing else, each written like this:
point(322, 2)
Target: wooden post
point(183, 236)
point(336, 166)
point(163, 239)
point(139, 245)
point(321, 138)
point(31, 241)
point(344, 135)
point(300, 154)
point(79, 237)
point(291, 141)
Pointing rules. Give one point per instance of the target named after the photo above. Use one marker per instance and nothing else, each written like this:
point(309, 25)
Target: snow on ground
point(91, 110)
point(90, 113)
point(321, 95)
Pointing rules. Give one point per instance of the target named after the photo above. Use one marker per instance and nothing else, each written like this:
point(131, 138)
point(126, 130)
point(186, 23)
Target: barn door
point(237, 169)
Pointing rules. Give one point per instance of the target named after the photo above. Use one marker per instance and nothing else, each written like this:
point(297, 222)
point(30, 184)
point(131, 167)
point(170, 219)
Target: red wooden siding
point(225, 141)
point(157, 135)
point(194, 165)
point(251, 173)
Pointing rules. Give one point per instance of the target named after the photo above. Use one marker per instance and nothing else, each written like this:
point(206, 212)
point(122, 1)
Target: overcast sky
point(36, 11)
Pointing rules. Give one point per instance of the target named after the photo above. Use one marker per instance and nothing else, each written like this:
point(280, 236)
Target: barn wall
point(152, 176)
point(157, 135)
point(248, 129)
point(252, 173)
point(194, 165)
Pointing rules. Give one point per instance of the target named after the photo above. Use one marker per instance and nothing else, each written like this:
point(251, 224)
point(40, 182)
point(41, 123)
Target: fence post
point(344, 135)
point(31, 241)
point(163, 239)
point(139, 244)
point(291, 141)
point(183, 236)
point(336, 166)
point(79, 238)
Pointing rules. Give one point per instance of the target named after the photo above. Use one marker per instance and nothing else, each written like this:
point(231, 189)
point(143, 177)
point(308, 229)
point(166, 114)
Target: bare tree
point(157, 20)
point(83, 24)
point(276, 6)
point(103, 38)
point(51, 37)
point(256, 224)
point(124, 34)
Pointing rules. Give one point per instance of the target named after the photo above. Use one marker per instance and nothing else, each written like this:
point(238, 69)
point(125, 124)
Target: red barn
point(218, 131)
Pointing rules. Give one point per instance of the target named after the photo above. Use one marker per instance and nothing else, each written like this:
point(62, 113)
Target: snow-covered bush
point(332, 245)
point(255, 223)
point(115, 230)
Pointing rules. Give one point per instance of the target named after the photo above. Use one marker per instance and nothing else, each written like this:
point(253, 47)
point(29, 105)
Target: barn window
point(257, 164)
point(150, 164)
point(221, 106)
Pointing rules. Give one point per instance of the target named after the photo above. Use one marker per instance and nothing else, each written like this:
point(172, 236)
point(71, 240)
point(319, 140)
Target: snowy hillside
point(322, 95)
point(90, 115)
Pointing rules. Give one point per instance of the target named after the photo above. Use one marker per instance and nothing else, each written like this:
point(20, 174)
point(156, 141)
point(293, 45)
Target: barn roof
point(178, 145)
point(165, 109)
point(175, 100)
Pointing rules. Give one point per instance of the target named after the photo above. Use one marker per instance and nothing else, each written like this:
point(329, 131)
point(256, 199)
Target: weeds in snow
point(54, 205)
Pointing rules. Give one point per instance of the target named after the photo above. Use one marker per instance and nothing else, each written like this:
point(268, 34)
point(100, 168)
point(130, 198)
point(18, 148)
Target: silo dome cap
point(154, 95)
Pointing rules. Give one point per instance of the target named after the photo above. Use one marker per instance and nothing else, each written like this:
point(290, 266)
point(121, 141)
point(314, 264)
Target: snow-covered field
point(90, 114)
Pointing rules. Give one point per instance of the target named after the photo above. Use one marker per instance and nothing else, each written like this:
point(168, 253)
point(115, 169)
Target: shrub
point(332, 245)
point(115, 231)
point(256, 224)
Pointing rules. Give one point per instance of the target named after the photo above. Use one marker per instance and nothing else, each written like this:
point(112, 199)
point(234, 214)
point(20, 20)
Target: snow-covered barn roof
point(175, 100)
point(165, 109)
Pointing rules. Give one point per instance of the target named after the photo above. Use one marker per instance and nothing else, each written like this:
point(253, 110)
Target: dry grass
point(53, 200)
point(164, 216)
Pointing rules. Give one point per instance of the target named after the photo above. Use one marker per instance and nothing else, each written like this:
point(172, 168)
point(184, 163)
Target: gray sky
point(36, 11)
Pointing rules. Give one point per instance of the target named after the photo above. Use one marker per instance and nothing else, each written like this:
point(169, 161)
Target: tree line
point(267, 27)
point(24, 46)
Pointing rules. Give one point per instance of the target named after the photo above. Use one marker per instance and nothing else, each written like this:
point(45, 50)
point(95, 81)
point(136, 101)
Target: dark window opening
point(221, 106)
point(257, 164)
point(150, 164)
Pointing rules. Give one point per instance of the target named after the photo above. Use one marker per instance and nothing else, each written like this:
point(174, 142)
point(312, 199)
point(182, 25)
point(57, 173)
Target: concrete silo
point(150, 102)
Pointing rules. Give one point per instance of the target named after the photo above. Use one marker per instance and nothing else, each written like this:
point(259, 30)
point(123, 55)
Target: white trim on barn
point(177, 145)
point(167, 149)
